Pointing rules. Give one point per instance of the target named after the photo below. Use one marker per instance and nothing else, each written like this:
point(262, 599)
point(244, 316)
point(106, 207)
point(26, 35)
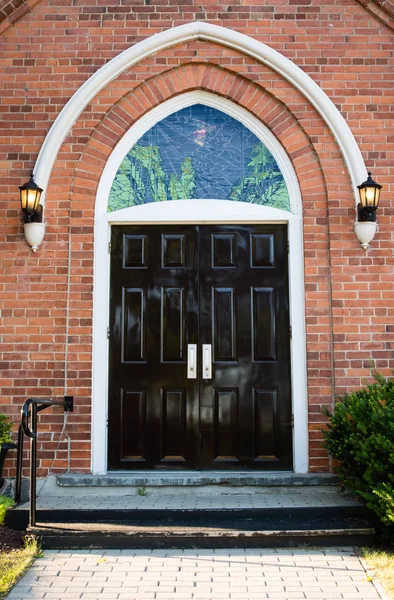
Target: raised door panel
point(223, 324)
point(226, 425)
point(174, 426)
point(262, 250)
point(133, 425)
point(173, 251)
point(265, 424)
point(263, 324)
point(133, 325)
point(135, 251)
point(173, 334)
point(224, 250)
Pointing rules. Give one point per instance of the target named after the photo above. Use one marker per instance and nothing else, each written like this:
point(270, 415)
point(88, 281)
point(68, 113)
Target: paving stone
point(285, 574)
point(89, 596)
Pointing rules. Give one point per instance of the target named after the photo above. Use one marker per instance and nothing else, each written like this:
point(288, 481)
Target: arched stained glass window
point(198, 152)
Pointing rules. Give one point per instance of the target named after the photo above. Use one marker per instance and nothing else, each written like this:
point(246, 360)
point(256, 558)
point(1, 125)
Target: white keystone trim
point(197, 211)
point(214, 33)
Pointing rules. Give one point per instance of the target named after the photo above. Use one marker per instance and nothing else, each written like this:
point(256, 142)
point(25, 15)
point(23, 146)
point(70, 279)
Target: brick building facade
point(49, 49)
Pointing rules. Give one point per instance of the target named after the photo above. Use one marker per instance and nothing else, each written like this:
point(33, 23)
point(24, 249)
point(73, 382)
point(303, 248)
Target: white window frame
point(197, 212)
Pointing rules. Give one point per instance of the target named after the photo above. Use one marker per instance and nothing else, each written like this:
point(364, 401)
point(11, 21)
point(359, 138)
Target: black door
point(216, 296)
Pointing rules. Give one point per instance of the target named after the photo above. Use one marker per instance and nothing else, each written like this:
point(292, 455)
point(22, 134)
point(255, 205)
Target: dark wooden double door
point(174, 290)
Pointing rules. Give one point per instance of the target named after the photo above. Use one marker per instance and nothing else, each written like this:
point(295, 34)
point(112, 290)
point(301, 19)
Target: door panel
point(133, 325)
point(133, 412)
point(266, 422)
point(153, 407)
point(245, 409)
point(174, 426)
point(223, 330)
point(263, 324)
point(172, 324)
point(226, 286)
point(225, 421)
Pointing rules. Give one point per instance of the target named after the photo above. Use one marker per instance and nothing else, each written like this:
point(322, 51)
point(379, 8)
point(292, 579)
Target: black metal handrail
point(31, 407)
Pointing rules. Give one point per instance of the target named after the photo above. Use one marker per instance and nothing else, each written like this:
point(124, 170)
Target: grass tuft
point(381, 563)
point(13, 564)
point(4, 504)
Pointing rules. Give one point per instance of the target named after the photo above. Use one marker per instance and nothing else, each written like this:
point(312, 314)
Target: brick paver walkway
point(313, 574)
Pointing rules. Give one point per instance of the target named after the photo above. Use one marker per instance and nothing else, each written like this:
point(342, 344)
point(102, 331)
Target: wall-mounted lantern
point(30, 195)
point(365, 227)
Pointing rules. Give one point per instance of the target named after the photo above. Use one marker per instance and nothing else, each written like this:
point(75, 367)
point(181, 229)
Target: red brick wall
point(46, 298)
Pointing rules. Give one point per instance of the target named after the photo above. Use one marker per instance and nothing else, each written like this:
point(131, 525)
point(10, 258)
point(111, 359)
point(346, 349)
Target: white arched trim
point(162, 111)
point(197, 211)
point(221, 35)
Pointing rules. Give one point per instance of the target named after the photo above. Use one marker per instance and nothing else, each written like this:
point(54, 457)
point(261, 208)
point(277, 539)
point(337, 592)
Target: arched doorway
point(239, 414)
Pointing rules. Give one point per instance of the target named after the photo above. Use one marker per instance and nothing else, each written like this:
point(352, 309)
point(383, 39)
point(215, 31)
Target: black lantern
point(369, 199)
point(30, 195)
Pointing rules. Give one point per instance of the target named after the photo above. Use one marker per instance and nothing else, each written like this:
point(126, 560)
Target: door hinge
point(288, 247)
point(108, 332)
point(109, 247)
point(292, 420)
point(290, 332)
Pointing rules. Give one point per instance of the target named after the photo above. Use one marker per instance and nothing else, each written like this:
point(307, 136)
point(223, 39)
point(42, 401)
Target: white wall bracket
point(34, 234)
point(365, 232)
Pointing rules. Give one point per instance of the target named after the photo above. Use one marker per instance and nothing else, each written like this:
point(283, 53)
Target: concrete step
point(206, 529)
point(78, 538)
point(18, 517)
point(195, 479)
point(214, 511)
point(201, 529)
point(212, 497)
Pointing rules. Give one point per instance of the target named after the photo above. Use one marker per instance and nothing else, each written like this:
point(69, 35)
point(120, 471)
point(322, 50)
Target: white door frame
point(197, 212)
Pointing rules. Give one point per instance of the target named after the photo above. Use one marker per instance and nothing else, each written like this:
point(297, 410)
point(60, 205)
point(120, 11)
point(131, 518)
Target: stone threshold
point(195, 478)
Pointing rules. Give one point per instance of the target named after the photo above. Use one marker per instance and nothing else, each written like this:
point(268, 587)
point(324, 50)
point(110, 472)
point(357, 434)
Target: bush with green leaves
point(360, 435)
point(5, 429)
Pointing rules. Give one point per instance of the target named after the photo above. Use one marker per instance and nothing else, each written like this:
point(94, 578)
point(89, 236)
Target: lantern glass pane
point(33, 198)
point(370, 196)
point(377, 197)
point(23, 196)
point(363, 196)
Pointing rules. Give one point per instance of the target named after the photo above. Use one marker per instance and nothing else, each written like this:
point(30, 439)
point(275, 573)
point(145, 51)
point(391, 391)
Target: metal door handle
point(191, 361)
point(206, 361)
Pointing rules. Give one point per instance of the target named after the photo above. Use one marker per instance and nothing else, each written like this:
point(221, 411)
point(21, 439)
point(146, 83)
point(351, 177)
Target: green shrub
point(4, 504)
point(5, 429)
point(360, 435)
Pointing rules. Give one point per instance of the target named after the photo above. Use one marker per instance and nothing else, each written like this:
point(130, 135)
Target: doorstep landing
point(195, 478)
point(146, 498)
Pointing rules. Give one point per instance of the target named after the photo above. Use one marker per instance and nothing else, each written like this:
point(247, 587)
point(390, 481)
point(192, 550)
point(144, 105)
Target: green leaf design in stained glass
point(198, 152)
